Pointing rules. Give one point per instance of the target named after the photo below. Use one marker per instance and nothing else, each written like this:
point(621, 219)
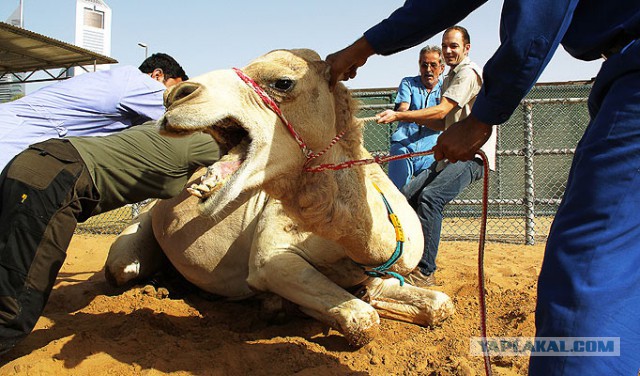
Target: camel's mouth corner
point(235, 145)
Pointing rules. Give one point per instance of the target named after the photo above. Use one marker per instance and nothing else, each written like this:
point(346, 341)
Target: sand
point(89, 328)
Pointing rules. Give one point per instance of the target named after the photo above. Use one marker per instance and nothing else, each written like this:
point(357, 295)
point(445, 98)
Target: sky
point(204, 35)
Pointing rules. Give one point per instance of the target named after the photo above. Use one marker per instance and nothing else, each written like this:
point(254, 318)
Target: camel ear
point(323, 68)
point(327, 72)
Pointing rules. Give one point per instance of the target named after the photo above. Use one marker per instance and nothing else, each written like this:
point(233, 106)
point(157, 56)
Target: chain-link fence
point(535, 148)
point(534, 153)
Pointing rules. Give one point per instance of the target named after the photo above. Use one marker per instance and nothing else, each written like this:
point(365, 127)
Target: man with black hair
point(91, 104)
point(52, 185)
point(162, 67)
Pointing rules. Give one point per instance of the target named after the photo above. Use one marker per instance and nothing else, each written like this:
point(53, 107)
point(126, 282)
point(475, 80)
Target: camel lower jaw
point(221, 172)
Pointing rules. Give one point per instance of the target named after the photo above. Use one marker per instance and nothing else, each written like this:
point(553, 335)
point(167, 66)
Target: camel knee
point(135, 254)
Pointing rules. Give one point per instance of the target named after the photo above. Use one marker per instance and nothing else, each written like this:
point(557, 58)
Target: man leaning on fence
point(588, 284)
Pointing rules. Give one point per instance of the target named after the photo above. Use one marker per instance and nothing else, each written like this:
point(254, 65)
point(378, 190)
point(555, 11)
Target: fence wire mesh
point(534, 153)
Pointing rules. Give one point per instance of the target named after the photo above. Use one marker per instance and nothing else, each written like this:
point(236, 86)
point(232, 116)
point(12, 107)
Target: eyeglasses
point(433, 66)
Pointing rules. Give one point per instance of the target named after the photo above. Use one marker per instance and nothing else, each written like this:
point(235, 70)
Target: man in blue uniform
point(588, 285)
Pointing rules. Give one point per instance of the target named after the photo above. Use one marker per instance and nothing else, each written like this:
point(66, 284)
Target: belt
point(620, 42)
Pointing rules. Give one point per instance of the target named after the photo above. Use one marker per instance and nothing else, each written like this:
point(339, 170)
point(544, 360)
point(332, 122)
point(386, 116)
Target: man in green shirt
point(51, 186)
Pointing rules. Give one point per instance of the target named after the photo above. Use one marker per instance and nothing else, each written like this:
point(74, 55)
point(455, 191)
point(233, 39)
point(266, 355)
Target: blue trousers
point(401, 171)
point(429, 192)
point(589, 284)
point(409, 138)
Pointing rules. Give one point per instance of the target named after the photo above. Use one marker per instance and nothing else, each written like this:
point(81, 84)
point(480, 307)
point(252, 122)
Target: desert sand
point(89, 328)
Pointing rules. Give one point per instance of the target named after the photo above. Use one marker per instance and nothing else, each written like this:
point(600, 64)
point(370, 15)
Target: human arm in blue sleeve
point(415, 22)
point(142, 99)
point(404, 95)
point(408, 26)
point(530, 32)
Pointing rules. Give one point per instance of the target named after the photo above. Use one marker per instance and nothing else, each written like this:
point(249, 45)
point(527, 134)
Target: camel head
point(261, 151)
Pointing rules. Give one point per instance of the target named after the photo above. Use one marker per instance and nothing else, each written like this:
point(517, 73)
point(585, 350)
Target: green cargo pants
point(46, 190)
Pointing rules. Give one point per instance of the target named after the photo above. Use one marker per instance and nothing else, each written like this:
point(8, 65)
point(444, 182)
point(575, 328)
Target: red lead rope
point(310, 155)
point(481, 242)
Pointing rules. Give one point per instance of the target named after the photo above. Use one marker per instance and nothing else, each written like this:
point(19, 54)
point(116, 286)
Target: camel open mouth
point(235, 146)
point(228, 133)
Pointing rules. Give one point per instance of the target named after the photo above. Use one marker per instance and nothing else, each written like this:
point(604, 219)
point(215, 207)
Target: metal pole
point(146, 49)
point(21, 15)
point(529, 192)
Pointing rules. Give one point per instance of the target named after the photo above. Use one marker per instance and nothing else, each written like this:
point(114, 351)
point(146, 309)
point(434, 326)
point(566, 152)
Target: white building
point(93, 29)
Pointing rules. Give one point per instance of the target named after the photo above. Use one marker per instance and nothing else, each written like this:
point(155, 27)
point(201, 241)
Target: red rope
point(360, 162)
point(481, 281)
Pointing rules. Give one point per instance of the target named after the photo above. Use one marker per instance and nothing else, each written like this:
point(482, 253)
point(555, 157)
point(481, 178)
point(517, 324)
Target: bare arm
point(462, 140)
point(402, 106)
point(431, 117)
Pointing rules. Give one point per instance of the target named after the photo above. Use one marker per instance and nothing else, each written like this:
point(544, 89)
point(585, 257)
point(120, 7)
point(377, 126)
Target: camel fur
point(257, 222)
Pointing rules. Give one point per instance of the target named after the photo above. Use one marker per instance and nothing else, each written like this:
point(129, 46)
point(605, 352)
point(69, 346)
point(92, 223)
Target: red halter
point(308, 153)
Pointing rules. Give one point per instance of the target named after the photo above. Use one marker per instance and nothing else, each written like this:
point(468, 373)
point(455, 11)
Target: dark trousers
point(46, 191)
point(429, 192)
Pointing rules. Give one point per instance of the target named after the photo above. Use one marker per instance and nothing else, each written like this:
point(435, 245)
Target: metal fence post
point(529, 193)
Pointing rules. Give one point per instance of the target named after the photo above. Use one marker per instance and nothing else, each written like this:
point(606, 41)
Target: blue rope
point(383, 270)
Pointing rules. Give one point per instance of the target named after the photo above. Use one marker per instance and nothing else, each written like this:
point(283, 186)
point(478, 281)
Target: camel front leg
point(285, 273)
point(135, 254)
point(408, 303)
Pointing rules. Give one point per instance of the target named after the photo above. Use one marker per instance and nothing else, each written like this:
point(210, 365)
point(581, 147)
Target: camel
point(258, 221)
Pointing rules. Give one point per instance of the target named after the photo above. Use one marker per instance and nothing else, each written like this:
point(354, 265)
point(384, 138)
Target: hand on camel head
point(387, 117)
point(462, 140)
point(345, 63)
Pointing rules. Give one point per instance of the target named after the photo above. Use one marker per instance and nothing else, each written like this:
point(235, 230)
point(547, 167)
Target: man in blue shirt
point(91, 104)
point(588, 285)
point(415, 93)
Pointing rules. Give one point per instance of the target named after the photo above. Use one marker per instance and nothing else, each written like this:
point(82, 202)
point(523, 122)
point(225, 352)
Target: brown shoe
point(418, 279)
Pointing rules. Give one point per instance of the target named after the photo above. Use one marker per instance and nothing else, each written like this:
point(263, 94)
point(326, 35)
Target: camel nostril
point(180, 92)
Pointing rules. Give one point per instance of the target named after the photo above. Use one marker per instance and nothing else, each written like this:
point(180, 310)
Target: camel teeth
point(194, 192)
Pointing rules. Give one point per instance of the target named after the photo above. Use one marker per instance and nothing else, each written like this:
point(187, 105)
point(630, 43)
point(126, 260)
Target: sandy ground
point(89, 328)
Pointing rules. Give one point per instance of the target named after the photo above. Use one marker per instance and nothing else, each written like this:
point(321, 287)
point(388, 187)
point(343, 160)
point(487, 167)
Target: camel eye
point(283, 84)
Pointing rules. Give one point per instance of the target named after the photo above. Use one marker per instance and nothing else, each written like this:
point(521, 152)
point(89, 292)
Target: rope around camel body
point(483, 224)
point(481, 240)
